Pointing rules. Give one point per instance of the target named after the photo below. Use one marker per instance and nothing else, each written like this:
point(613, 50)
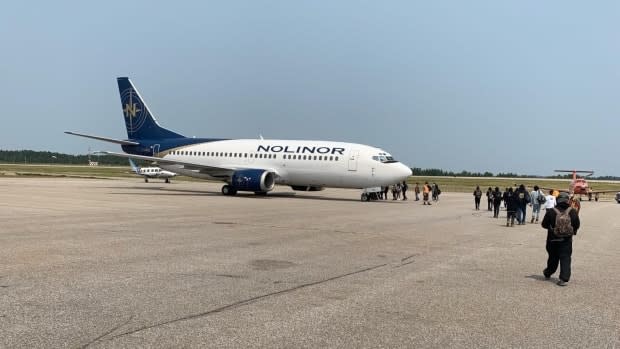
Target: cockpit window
point(384, 158)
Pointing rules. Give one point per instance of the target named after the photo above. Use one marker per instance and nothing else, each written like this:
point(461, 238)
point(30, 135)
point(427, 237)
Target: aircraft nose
point(405, 171)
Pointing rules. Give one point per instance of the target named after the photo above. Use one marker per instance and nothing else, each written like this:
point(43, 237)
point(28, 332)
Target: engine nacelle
point(253, 180)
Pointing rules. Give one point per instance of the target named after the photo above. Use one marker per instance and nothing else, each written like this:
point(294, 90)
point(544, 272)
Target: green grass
point(465, 185)
point(447, 184)
point(23, 170)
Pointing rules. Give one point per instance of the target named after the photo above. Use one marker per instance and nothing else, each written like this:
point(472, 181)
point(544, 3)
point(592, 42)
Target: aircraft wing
point(603, 191)
point(218, 172)
point(105, 139)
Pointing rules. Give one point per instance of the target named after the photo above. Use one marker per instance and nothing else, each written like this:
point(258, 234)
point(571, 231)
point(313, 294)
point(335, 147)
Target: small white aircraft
point(151, 172)
point(253, 165)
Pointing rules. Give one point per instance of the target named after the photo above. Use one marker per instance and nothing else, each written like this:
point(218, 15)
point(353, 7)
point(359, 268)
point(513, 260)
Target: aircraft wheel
point(227, 190)
point(364, 197)
point(167, 180)
point(260, 193)
point(146, 180)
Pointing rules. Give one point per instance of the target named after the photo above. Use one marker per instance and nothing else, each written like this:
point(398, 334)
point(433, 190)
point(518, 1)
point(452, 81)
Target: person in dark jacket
point(560, 249)
point(404, 188)
point(497, 201)
point(511, 207)
point(523, 198)
point(477, 196)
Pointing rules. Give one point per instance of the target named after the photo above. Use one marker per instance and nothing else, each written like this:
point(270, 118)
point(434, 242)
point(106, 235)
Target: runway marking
point(233, 305)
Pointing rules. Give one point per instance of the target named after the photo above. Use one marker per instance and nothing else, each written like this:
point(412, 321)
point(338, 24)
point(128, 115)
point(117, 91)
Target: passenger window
point(336, 158)
point(331, 158)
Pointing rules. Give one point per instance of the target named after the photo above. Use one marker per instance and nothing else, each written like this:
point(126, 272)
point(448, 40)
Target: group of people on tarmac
point(561, 220)
point(516, 202)
point(428, 191)
point(399, 189)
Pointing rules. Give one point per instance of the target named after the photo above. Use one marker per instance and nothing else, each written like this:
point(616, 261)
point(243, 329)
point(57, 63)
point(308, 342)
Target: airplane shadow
point(167, 191)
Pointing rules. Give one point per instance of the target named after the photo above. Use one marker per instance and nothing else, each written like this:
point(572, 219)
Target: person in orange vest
point(426, 190)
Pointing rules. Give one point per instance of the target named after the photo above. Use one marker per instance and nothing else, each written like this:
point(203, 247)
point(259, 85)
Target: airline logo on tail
point(134, 111)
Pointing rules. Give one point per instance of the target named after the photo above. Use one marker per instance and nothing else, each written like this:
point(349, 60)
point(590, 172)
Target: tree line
point(46, 157)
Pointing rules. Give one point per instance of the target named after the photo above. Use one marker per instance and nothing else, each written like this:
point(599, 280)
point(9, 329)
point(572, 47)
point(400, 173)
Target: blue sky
point(500, 86)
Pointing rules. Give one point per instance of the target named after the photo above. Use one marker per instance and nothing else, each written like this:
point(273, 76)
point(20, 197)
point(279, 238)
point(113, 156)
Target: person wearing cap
point(559, 249)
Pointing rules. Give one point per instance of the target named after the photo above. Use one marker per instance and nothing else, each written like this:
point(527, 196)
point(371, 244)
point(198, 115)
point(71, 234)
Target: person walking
point(489, 199)
point(404, 188)
point(550, 200)
point(436, 192)
point(561, 222)
point(477, 196)
point(523, 198)
point(426, 190)
point(497, 201)
point(537, 199)
point(505, 198)
point(416, 190)
point(511, 207)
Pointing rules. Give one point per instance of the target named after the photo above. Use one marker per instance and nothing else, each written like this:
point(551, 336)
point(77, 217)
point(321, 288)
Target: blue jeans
point(521, 210)
point(535, 211)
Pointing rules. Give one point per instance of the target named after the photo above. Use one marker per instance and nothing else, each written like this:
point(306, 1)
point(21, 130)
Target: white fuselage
point(155, 172)
point(296, 163)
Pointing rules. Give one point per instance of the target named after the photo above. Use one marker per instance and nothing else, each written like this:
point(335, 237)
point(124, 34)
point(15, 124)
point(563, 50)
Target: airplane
point(579, 186)
point(251, 165)
point(151, 172)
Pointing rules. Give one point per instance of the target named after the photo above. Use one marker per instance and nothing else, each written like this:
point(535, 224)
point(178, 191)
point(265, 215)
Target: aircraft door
point(353, 156)
point(155, 149)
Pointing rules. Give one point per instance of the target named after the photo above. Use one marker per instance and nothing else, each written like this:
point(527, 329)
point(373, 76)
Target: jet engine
point(258, 181)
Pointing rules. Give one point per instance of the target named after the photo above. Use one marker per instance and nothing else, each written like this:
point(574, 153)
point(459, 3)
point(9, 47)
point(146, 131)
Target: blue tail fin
point(139, 121)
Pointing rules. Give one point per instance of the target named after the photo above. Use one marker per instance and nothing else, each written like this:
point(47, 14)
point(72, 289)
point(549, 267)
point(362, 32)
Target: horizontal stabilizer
point(105, 139)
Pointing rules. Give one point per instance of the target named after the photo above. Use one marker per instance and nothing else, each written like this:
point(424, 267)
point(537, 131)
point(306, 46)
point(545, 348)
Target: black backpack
point(541, 198)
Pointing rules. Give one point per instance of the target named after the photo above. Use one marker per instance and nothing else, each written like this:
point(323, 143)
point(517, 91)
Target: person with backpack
point(489, 199)
point(537, 200)
point(497, 201)
point(523, 198)
point(404, 188)
point(561, 222)
point(477, 196)
point(436, 192)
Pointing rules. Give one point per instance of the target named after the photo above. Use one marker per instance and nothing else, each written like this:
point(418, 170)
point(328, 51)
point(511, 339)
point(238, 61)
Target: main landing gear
point(228, 190)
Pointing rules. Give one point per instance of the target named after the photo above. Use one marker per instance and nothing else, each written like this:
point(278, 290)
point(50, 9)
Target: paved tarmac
point(122, 263)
